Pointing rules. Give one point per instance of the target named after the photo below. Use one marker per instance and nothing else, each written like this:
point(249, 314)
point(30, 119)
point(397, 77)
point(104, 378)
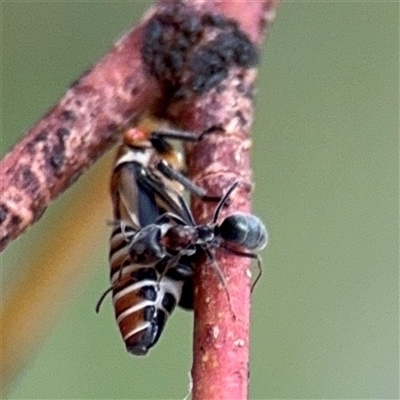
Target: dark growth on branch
point(190, 53)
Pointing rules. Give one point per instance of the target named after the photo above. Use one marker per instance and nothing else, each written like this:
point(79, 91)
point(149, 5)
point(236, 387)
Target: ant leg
point(247, 255)
point(221, 276)
point(260, 271)
point(170, 264)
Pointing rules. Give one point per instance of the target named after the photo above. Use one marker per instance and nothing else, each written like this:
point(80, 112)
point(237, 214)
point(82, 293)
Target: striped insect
point(147, 182)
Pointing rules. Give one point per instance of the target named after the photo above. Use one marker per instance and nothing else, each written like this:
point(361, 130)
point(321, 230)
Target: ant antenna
point(102, 297)
point(223, 201)
point(188, 213)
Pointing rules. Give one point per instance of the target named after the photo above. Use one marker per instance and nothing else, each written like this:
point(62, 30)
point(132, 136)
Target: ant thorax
point(206, 235)
point(185, 239)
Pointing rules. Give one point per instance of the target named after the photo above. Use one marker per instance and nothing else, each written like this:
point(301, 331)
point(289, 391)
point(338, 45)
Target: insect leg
point(248, 255)
point(221, 276)
point(260, 271)
point(170, 264)
point(178, 134)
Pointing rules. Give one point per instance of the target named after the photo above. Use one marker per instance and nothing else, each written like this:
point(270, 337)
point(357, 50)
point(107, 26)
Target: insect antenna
point(185, 207)
point(102, 297)
point(223, 201)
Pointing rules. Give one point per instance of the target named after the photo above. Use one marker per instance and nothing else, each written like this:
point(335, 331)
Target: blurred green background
point(325, 315)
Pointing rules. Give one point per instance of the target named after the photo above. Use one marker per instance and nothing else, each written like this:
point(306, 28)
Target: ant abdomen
point(244, 230)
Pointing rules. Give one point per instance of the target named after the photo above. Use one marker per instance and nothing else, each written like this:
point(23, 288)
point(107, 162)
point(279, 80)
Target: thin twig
point(221, 338)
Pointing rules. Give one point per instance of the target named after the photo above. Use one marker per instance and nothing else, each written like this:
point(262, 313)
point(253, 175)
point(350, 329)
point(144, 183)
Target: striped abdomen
point(143, 295)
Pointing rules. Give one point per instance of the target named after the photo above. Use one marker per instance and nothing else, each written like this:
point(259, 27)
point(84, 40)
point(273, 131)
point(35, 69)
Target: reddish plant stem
point(221, 330)
point(221, 338)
